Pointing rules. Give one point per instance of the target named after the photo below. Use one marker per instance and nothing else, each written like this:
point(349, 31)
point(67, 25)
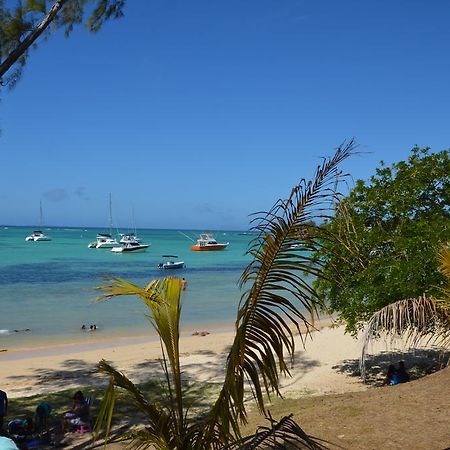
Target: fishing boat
point(171, 264)
point(206, 242)
point(131, 246)
point(38, 235)
point(105, 240)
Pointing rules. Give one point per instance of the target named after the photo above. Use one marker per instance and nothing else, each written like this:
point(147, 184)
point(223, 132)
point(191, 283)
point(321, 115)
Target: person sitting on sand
point(79, 413)
point(391, 376)
point(42, 415)
point(402, 374)
point(20, 427)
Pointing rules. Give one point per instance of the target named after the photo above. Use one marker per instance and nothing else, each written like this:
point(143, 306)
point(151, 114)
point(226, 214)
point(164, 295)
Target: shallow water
point(48, 288)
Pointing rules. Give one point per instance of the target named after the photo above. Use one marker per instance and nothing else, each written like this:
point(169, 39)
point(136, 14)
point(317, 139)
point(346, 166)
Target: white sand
point(48, 369)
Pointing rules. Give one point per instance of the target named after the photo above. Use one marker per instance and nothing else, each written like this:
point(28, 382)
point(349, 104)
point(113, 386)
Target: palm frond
point(282, 435)
point(163, 299)
point(415, 320)
point(444, 262)
point(279, 296)
point(158, 429)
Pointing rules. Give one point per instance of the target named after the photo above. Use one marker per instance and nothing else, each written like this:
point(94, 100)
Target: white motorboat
point(104, 240)
point(206, 242)
point(171, 264)
point(130, 247)
point(38, 235)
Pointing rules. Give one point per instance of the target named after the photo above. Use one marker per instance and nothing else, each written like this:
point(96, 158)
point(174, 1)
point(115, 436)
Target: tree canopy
point(388, 234)
point(24, 21)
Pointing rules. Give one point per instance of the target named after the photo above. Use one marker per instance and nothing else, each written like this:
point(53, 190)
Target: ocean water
point(47, 289)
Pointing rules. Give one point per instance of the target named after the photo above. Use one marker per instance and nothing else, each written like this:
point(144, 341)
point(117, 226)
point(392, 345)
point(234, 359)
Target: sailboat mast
point(41, 219)
point(133, 220)
point(110, 215)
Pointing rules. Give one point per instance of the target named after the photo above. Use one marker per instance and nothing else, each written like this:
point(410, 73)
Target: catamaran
point(105, 240)
point(38, 235)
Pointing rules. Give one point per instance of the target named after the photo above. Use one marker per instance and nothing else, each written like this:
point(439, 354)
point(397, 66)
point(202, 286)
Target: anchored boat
point(206, 242)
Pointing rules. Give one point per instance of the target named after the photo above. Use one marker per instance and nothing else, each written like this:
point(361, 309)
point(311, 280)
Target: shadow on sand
point(418, 362)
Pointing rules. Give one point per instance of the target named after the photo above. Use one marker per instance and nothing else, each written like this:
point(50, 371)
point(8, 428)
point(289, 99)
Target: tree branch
point(23, 46)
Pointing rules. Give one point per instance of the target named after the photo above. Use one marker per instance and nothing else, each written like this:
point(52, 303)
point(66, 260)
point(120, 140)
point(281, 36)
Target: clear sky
point(198, 113)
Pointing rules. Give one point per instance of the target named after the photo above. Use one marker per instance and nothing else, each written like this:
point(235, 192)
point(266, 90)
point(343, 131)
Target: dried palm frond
point(417, 321)
point(282, 435)
point(422, 320)
point(279, 296)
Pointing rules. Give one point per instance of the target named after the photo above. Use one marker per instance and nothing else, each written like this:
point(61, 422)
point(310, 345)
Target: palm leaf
point(163, 299)
point(282, 435)
point(159, 429)
point(416, 320)
point(419, 320)
point(279, 296)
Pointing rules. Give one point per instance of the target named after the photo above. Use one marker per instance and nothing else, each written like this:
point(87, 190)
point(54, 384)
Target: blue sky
point(198, 113)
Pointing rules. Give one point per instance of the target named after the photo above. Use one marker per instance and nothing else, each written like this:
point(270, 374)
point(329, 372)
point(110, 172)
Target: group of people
point(91, 327)
point(396, 375)
point(21, 431)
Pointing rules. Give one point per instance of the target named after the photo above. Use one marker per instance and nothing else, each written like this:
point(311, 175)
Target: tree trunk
point(23, 46)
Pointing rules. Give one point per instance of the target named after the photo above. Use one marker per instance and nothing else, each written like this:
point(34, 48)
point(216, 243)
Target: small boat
point(38, 235)
point(171, 264)
point(104, 240)
point(125, 238)
point(132, 246)
point(206, 242)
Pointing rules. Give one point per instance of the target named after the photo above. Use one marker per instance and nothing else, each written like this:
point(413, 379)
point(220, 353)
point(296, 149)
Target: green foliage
point(415, 320)
point(387, 233)
point(24, 21)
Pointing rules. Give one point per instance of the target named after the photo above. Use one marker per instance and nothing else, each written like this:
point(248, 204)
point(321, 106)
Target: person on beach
point(403, 375)
point(3, 407)
point(391, 376)
point(21, 427)
point(42, 415)
point(183, 284)
point(79, 412)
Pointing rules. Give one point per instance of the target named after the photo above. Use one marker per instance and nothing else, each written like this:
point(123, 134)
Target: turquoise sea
point(48, 288)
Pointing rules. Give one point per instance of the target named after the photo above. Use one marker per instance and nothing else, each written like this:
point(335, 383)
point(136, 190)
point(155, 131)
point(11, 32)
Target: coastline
point(49, 369)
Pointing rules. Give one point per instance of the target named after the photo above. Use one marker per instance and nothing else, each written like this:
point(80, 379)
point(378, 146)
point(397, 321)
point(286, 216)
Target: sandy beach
point(26, 372)
point(323, 393)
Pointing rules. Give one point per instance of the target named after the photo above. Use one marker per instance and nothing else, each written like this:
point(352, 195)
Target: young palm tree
point(277, 298)
point(417, 320)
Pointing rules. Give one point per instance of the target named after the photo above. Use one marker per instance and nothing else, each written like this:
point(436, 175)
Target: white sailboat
point(130, 237)
point(105, 240)
point(38, 235)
